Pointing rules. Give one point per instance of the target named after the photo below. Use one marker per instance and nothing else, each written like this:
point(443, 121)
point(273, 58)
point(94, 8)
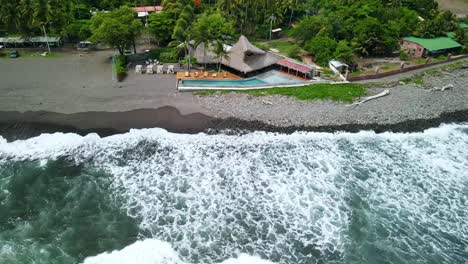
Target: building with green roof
point(420, 47)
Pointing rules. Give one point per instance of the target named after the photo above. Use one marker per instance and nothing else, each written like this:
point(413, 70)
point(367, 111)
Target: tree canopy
point(117, 28)
point(366, 27)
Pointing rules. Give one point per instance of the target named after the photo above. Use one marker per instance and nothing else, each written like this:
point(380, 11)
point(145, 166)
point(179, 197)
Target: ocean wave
point(300, 198)
point(153, 251)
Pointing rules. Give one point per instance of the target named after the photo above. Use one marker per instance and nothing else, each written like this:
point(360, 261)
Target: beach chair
point(205, 75)
point(224, 74)
point(149, 69)
point(214, 75)
point(138, 69)
point(170, 69)
point(159, 69)
point(187, 74)
point(196, 74)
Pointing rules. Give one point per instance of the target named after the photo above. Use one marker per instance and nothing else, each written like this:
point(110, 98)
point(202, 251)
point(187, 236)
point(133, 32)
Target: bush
point(168, 55)
point(322, 48)
point(294, 52)
point(193, 60)
point(120, 67)
point(403, 55)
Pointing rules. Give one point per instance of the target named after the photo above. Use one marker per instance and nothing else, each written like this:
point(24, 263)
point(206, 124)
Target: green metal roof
point(434, 44)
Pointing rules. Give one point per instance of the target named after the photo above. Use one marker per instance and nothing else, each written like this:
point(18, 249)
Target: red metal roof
point(295, 66)
point(148, 8)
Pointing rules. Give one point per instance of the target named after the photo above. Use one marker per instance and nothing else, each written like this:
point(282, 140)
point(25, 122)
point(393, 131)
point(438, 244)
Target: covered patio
point(295, 68)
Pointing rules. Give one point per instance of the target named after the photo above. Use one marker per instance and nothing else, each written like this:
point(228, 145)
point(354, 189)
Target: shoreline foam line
point(16, 125)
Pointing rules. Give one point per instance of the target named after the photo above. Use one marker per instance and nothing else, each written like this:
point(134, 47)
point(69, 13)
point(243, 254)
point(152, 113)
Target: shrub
point(120, 67)
point(294, 52)
point(193, 60)
point(403, 55)
point(168, 55)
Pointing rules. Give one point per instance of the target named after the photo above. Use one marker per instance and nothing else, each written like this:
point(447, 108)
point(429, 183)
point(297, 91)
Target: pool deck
point(211, 76)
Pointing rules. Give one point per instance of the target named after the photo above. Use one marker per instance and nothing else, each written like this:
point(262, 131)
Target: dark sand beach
point(73, 93)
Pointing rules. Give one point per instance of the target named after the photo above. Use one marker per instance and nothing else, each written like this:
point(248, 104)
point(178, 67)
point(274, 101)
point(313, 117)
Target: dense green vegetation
point(327, 29)
point(120, 67)
point(324, 91)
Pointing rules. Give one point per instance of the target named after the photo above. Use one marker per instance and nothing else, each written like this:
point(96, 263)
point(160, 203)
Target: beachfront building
point(144, 11)
point(245, 59)
point(422, 47)
point(14, 42)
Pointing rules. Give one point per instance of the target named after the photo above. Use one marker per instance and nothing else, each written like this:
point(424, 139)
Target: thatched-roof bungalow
point(243, 58)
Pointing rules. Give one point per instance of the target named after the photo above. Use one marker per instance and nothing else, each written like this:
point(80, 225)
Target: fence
point(412, 68)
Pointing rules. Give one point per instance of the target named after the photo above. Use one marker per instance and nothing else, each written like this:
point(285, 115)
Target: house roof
point(245, 57)
point(148, 8)
point(434, 44)
point(243, 45)
point(295, 65)
point(205, 54)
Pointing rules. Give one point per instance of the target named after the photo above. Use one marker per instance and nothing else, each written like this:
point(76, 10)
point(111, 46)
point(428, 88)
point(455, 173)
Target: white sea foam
point(153, 251)
point(286, 198)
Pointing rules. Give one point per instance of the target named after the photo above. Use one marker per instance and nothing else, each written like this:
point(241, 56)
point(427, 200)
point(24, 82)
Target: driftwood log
point(382, 94)
point(446, 87)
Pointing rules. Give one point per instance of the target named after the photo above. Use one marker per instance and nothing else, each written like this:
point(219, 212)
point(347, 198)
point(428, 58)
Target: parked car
point(84, 46)
point(14, 54)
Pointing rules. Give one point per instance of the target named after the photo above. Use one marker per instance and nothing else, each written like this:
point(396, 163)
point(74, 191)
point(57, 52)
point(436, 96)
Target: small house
point(422, 47)
point(144, 11)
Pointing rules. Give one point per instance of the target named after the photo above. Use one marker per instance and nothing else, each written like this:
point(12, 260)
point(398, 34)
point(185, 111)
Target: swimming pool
point(264, 79)
point(223, 83)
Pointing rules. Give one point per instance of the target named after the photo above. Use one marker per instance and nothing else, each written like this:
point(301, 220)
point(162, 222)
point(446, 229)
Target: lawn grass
point(285, 46)
point(323, 91)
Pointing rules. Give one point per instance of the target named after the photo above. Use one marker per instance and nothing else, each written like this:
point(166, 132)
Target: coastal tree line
point(326, 29)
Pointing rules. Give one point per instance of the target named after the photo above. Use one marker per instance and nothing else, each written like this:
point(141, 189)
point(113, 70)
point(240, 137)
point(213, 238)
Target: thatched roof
point(204, 55)
point(243, 56)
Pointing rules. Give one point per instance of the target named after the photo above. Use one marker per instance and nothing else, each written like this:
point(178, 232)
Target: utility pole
point(47, 39)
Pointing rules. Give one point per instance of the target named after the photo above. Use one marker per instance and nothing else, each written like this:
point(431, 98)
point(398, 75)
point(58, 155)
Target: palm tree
point(221, 53)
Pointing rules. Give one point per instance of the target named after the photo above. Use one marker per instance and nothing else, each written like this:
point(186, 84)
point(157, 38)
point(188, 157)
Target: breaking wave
point(300, 198)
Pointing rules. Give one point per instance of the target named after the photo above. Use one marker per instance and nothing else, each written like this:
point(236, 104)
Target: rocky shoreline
point(17, 126)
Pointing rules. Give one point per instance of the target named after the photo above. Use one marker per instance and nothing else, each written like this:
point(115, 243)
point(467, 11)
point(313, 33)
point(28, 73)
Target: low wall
point(412, 68)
